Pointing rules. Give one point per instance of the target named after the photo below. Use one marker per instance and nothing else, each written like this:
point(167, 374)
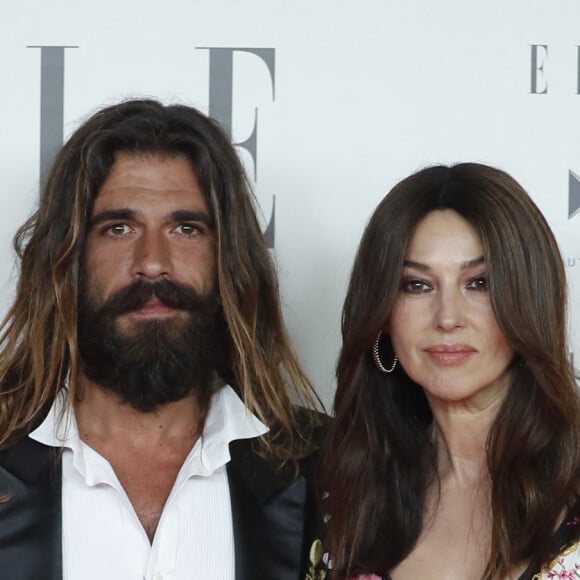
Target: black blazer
point(273, 515)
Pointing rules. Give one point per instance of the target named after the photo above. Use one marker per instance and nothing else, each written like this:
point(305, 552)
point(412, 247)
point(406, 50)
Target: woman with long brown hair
point(455, 450)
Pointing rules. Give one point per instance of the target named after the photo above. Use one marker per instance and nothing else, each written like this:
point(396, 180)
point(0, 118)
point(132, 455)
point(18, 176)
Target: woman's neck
point(459, 433)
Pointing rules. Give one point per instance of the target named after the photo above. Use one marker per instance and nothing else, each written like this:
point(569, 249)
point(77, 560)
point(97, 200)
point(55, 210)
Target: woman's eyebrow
point(425, 267)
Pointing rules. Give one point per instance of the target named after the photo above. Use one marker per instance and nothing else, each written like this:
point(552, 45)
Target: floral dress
point(564, 565)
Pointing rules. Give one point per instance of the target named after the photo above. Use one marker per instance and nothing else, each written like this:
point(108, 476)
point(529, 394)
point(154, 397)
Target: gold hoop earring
point(377, 358)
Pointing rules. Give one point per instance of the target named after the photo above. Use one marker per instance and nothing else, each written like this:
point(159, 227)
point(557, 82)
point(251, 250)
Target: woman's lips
point(450, 354)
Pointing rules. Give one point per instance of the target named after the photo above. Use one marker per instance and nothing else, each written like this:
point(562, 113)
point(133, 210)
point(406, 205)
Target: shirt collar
point(227, 420)
point(59, 428)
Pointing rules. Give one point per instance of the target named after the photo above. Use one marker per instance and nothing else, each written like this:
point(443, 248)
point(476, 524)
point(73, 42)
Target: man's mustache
point(172, 294)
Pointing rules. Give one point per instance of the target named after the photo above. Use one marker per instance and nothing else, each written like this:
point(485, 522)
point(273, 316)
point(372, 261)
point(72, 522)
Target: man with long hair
point(148, 426)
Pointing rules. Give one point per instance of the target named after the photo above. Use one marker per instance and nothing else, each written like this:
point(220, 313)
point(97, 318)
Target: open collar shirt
point(102, 536)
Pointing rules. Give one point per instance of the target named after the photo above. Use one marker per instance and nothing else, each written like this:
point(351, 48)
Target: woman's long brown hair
point(379, 461)
point(38, 352)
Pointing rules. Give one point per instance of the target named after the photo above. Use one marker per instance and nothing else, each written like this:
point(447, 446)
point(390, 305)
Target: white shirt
point(102, 537)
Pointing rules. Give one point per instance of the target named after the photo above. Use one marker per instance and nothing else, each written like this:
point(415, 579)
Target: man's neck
point(102, 417)
point(146, 450)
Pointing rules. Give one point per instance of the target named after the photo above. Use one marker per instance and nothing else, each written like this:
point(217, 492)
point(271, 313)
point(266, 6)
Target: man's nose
point(151, 256)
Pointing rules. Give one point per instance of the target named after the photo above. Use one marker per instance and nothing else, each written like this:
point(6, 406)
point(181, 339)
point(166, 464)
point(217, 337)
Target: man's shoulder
point(312, 425)
point(26, 463)
point(265, 474)
point(312, 418)
point(30, 511)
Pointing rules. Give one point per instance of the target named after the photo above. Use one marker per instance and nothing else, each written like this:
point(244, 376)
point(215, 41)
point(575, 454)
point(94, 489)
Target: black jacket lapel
point(30, 520)
point(268, 510)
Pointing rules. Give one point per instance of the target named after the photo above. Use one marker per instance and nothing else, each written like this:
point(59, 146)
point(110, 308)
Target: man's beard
point(154, 362)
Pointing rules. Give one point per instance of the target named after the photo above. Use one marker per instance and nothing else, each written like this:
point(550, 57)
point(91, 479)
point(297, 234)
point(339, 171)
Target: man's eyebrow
point(189, 215)
point(122, 213)
point(179, 215)
point(425, 267)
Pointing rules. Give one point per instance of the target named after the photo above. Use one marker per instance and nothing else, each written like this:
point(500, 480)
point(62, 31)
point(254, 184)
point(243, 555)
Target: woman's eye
point(415, 286)
point(479, 283)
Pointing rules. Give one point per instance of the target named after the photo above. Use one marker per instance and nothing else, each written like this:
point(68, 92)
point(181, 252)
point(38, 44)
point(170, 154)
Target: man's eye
point(118, 229)
point(187, 229)
point(479, 283)
point(415, 286)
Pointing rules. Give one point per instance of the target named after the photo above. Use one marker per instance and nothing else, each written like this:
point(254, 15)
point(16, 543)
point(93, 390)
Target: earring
point(377, 358)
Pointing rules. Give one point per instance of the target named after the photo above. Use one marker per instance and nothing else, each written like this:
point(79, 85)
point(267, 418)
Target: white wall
point(364, 94)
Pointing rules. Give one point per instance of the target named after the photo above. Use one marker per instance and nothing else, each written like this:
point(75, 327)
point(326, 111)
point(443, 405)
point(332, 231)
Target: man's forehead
point(162, 168)
point(136, 177)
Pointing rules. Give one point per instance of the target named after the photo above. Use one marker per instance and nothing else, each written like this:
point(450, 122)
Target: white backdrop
point(359, 95)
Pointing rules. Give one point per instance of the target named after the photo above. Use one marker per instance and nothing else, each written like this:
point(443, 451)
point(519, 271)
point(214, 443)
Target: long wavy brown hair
point(38, 350)
point(379, 458)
